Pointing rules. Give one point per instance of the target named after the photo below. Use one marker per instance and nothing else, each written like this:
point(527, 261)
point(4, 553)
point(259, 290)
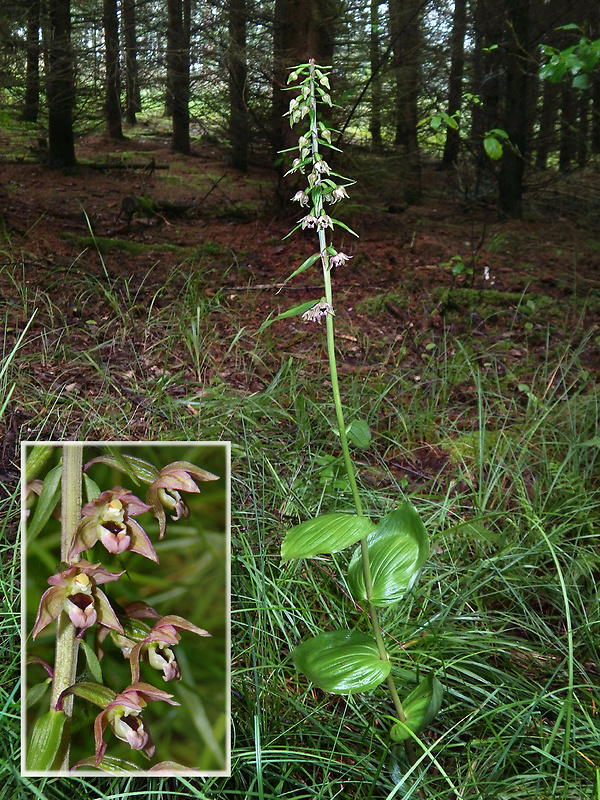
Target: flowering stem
point(65, 658)
point(318, 212)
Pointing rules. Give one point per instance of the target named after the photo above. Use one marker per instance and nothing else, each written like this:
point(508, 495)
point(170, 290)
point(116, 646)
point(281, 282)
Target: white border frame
point(83, 773)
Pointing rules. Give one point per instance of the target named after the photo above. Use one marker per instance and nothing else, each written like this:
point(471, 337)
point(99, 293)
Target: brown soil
point(231, 233)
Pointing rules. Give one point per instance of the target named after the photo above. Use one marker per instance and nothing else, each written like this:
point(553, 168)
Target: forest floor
point(480, 393)
point(534, 281)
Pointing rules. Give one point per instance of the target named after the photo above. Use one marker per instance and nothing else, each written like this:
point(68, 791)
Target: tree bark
point(374, 54)
point(178, 72)
point(303, 29)
point(486, 72)
point(568, 128)
point(583, 128)
point(238, 113)
point(60, 91)
point(133, 100)
point(512, 165)
point(32, 78)
point(112, 98)
point(405, 30)
point(547, 134)
point(595, 135)
point(457, 61)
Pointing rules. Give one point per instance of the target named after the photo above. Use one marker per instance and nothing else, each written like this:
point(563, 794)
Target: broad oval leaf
point(398, 548)
point(421, 707)
point(359, 433)
point(325, 534)
point(341, 662)
point(45, 741)
point(492, 147)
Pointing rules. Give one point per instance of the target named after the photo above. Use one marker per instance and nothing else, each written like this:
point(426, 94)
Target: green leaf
point(341, 662)
point(421, 707)
point(581, 82)
point(94, 692)
point(49, 498)
point(36, 459)
point(492, 147)
point(45, 741)
point(345, 227)
point(398, 548)
point(136, 468)
point(359, 433)
point(36, 692)
point(325, 534)
point(304, 266)
point(291, 312)
point(92, 661)
point(92, 490)
point(109, 764)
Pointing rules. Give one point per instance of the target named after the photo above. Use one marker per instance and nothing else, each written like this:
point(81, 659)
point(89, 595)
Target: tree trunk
point(583, 128)
point(547, 133)
point(303, 29)
point(489, 16)
point(595, 137)
point(133, 100)
point(405, 30)
point(178, 75)
point(512, 165)
point(457, 61)
point(32, 78)
point(238, 113)
point(568, 128)
point(59, 86)
point(375, 123)
point(112, 99)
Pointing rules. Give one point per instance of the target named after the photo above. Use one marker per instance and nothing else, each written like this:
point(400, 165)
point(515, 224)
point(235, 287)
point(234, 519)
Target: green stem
point(65, 658)
point(318, 211)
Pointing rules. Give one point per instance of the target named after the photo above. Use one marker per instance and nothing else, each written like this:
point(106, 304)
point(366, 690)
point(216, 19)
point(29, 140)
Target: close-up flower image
point(118, 615)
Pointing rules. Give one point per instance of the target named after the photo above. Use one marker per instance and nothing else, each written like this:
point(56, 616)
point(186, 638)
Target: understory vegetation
point(494, 439)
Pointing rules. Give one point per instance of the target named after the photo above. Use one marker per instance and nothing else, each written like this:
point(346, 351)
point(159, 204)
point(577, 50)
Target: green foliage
point(341, 662)
point(46, 739)
point(421, 707)
point(575, 62)
point(397, 550)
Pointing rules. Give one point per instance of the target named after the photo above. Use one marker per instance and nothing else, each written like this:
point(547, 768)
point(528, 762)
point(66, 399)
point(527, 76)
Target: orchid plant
point(389, 554)
point(93, 535)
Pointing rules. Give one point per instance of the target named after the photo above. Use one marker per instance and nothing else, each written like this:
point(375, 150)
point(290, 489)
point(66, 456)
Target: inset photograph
point(126, 608)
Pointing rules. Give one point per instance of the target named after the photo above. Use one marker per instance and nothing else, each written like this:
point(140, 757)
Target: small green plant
point(390, 554)
point(94, 536)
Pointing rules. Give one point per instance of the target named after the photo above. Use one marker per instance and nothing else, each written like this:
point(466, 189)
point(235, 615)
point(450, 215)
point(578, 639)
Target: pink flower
point(153, 645)
point(109, 518)
point(164, 491)
point(338, 260)
point(123, 714)
point(75, 591)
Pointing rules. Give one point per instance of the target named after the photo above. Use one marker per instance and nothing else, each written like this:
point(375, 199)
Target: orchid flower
point(75, 591)
point(109, 518)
